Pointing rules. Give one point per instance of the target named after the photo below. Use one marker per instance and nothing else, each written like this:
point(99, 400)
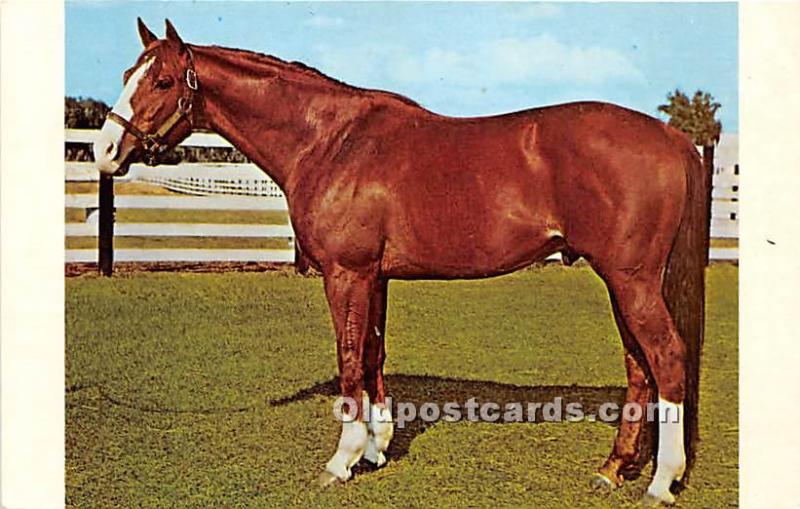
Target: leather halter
point(153, 144)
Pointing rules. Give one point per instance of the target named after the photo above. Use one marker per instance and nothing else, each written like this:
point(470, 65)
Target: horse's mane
point(296, 70)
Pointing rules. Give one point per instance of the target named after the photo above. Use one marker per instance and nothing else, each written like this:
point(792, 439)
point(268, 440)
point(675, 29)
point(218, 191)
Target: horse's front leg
point(379, 425)
point(349, 294)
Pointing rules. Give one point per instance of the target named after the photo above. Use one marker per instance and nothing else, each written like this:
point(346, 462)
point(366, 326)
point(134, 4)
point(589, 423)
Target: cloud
point(537, 11)
point(540, 60)
point(321, 21)
point(365, 64)
point(547, 59)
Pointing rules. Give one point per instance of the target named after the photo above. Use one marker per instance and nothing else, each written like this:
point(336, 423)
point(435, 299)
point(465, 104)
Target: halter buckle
point(184, 105)
point(191, 79)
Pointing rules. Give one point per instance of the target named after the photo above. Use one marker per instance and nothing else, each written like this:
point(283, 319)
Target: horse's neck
point(273, 121)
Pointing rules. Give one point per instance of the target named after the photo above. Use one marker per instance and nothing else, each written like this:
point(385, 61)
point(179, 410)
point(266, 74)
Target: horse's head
point(154, 112)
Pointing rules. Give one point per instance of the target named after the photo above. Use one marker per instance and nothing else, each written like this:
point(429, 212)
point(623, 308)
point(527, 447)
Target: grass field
point(184, 243)
point(724, 242)
point(215, 390)
point(73, 215)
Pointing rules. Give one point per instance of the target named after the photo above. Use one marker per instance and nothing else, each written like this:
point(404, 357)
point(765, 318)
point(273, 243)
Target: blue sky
point(458, 59)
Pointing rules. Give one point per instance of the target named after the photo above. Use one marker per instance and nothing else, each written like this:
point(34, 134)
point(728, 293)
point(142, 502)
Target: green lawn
point(183, 243)
point(214, 390)
point(74, 215)
point(724, 242)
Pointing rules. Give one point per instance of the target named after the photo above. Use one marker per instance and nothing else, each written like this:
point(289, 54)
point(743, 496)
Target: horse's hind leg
point(627, 450)
point(350, 296)
point(379, 426)
point(642, 307)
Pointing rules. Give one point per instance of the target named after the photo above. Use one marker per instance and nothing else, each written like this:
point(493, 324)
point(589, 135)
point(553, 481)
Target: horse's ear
point(172, 34)
point(144, 33)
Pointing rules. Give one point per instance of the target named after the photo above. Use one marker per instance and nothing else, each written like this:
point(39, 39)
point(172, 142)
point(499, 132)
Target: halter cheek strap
point(153, 143)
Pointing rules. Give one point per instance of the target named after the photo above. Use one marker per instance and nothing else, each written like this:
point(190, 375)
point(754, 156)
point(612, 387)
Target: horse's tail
point(684, 285)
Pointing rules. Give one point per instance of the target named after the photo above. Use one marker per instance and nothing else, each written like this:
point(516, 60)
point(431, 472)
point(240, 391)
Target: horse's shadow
point(419, 389)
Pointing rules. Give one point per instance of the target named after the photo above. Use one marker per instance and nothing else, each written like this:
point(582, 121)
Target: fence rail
point(244, 187)
point(209, 140)
point(182, 230)
point(132, 201)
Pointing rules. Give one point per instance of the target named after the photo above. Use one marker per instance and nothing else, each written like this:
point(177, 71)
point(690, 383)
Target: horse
point(380, 188)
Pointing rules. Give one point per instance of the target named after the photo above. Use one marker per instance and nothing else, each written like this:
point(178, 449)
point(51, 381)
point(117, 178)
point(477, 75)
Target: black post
point(708, 164)
point(105, 238)
point(301, 265)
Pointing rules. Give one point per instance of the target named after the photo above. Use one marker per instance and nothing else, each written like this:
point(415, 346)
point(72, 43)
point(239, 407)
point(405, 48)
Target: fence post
point(708, 165)
point(105, 237)
point(301, 265)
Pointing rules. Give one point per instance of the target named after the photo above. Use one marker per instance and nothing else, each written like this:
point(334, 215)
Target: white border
point(769, 91)
point(31, 253)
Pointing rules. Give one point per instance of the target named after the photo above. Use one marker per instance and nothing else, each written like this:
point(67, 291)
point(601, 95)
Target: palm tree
point(695, 116)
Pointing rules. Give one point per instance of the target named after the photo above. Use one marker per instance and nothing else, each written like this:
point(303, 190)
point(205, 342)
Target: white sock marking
point(381, 430)
point(352, 444)
point(671, 454)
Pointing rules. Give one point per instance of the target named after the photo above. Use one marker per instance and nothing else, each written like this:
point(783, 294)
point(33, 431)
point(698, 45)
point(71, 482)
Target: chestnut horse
point(380, 188)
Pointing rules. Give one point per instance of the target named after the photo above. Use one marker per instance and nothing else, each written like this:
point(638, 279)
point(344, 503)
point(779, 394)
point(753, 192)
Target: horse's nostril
point(111, 148)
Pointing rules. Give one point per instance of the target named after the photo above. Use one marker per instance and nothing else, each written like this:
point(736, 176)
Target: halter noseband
point(153, 143)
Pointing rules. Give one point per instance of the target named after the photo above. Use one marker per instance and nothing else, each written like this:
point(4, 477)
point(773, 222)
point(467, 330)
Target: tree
point(695, 116)
point(80, 113)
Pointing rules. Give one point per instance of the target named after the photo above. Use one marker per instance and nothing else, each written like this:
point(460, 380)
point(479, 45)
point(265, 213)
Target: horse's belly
point(470, 255)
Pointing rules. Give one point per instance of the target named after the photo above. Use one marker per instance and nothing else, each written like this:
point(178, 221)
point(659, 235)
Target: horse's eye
point(165, 82)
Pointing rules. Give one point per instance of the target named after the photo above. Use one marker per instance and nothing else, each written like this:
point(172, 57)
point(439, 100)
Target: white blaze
point(106, 146)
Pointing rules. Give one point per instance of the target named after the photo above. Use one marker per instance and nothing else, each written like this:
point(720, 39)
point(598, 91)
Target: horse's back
point(450, 197)
point(501, 192)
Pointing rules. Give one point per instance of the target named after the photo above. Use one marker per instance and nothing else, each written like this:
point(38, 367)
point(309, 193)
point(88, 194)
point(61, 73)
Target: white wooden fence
point(227, 187)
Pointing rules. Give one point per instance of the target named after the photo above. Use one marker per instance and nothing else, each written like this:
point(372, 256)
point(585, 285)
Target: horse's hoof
point(599, 482)
point(326, 479)
point(650, 500)
point(376, 459)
